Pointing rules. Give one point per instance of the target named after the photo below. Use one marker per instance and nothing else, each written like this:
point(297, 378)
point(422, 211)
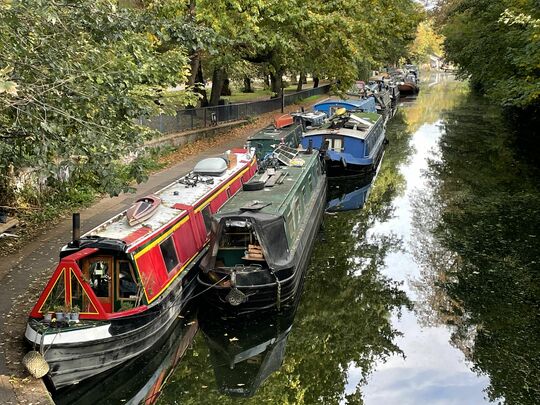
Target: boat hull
point(71, 362)
point(273, 296)
point(408, 88)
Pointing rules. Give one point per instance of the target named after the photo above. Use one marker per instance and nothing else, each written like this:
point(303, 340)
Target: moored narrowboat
point(285, 129)
point(262, 238)
point(131, 282)
point(353, 142)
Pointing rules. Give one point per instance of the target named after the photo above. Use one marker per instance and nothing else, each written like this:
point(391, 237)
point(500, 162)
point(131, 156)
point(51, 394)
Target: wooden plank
point(9, 224)
point(273, 180)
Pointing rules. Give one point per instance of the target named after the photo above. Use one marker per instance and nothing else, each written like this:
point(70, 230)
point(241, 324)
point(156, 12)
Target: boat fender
point(36, 364)
point(253, 185)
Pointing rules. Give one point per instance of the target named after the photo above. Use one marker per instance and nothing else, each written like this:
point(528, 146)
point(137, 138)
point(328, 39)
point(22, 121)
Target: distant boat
point(130, 282)
point(409, 84)
point(352, 142)
point(263, 238)
point(142, 209)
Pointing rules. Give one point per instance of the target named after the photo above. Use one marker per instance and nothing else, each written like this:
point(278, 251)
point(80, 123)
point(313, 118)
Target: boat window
point(169, 254)
point(127, 286)
point(207, 217)
point(236, 236)
point(57, 295)
point(79, 297)
point(99, 273)
point(290, 224)
point(335, 144)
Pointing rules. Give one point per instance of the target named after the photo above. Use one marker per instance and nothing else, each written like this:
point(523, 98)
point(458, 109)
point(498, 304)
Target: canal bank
point(24, 273)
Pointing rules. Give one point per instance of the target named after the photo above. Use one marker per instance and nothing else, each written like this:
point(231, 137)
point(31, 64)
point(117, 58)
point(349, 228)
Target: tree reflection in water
point(478, 243)
point(344, 314)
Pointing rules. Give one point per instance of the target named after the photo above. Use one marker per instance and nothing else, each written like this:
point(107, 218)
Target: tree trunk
point(200, 88)
point(194, 59)
point(217, 84)
point(267, 81)
point(301, 81)
point(226, 88)
point(315, 82)
point(247, 85)
point(276, 83)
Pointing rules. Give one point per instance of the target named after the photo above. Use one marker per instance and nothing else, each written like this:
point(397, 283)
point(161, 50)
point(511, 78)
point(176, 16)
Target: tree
point(76, 77)
point(426, 43)
point(497, 45)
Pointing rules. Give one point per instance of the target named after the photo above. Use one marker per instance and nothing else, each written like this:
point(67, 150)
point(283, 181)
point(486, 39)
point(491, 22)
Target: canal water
point(426, 292)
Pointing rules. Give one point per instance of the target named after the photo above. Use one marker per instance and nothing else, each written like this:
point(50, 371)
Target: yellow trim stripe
point(203, 206)
point(161, 238)
point(180, 270)
point(52, 288)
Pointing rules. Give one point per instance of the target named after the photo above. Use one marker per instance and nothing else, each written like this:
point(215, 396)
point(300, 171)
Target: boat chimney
point(310, 147)
point(76, 228)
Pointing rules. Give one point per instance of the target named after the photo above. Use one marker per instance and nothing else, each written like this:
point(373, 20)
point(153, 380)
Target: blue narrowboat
point(352, 142)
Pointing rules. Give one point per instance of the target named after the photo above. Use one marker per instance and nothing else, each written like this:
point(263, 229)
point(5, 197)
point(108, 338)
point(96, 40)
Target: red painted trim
point(130, 312)
point(133, 236)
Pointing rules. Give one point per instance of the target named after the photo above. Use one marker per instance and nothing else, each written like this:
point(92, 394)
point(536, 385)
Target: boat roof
point(175, 194)
point(363, 122)
point(357, 103)
point(273, 133)
point(276, 195)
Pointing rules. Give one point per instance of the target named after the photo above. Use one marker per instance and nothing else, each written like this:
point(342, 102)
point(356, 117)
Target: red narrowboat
point(129, 283)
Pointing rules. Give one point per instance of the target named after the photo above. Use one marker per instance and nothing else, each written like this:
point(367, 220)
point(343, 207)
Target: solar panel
point(285, 154)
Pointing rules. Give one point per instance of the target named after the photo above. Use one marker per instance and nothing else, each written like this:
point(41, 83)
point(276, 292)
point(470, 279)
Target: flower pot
point(60, 316)
point(74, 316)
point(47, 317)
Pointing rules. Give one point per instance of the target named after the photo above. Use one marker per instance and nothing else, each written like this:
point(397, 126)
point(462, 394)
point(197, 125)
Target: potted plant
point(74, 314)
point(46, 311)
point(59, 312)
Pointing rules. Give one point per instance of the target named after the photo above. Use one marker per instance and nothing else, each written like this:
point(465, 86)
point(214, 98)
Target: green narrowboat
point(263, 236)
point(285, 129)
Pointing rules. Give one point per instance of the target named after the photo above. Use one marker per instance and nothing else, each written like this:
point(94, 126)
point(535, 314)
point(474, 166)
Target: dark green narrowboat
point(263, 236)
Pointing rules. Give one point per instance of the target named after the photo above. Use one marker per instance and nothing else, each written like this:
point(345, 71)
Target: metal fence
point(194, 118)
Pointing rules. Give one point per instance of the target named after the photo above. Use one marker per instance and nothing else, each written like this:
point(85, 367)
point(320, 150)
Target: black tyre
point(253, 185)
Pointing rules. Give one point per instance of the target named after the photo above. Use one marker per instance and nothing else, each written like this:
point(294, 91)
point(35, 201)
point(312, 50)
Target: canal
point(428, 294)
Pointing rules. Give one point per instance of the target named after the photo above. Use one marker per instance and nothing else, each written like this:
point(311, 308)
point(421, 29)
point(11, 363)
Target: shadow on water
point(478, 245)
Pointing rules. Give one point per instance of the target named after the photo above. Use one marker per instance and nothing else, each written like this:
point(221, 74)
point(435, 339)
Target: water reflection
point(344, 317)
point(141, 379)
point(348, 193)
point(480, 251)
point(244, 352)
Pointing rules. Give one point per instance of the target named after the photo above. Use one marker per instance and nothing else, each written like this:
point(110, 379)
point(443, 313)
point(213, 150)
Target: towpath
point(24, 273)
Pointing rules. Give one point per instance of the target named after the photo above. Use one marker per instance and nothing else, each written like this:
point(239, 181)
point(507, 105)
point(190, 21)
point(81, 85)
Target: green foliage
point(426, 43)
point(75, 77)
point(497, 44)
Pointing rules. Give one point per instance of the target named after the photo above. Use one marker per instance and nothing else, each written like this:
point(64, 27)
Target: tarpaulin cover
point(270, 231)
